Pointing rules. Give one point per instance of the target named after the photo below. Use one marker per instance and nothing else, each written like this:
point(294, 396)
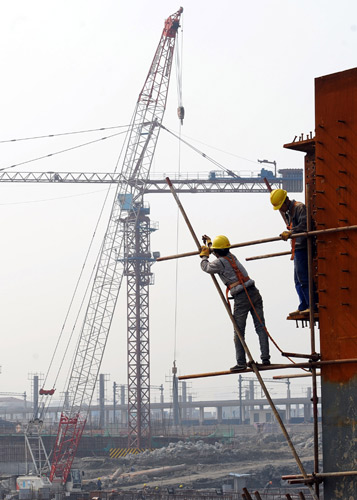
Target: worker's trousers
point(254, 306)
point(301, 277)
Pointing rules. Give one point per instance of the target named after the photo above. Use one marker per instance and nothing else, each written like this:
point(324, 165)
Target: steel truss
point(138, 261)
point(291, 180)
point(35, 448)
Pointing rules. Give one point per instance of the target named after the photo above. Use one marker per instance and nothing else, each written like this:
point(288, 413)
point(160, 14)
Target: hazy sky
point(248, 88)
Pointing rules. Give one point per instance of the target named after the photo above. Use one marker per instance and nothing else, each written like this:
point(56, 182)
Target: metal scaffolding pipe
point(295, 375)
point(265, 240)
point(320, 475)
point(312, 338)
point(316, 364)
point(268, 255)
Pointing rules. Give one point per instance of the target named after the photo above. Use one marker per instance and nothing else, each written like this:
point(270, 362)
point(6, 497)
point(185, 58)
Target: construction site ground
point(199, 465)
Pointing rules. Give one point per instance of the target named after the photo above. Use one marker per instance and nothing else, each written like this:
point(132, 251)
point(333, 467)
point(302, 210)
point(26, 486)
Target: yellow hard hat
point(220, 242)
point(277, 198)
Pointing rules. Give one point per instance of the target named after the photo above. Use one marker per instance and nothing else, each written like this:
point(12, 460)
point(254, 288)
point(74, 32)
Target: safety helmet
point(220, 242)
point(277, 198)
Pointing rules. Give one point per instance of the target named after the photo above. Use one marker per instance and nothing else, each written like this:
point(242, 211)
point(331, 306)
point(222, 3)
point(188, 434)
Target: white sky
point(248, 88)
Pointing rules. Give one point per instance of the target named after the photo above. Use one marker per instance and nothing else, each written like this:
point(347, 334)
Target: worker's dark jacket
point(296, 215)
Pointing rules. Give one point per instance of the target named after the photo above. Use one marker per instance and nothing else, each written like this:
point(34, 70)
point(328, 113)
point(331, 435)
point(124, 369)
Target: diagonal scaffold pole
point(246, 349)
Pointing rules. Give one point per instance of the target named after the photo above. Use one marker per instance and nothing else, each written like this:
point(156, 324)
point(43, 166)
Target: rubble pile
point(198, 464)
point(202, 453)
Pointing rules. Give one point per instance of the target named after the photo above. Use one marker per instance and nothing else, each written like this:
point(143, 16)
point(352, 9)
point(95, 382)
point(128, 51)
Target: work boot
point(238, 368)
point(266, 362)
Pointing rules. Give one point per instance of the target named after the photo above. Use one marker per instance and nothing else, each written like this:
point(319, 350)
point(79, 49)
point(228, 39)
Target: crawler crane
point(128, 202)
point(142, 140)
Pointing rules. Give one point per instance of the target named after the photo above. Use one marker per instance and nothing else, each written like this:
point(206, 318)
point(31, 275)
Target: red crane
point(141, 143)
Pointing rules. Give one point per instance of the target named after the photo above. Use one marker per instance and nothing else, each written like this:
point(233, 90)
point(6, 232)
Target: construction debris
point(197, 464)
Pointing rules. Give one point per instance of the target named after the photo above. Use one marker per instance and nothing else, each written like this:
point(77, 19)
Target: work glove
point(285, 235)
point(204, 251)
point(206, 240)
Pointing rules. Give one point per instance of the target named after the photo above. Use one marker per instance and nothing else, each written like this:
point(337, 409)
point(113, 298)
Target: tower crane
point(142, 139)
point(137, 259)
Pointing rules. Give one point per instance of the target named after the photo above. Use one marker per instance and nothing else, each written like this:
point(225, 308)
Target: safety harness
point(241, 279)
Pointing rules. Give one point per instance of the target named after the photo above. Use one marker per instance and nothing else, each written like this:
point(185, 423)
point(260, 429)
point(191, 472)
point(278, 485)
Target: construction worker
point(247, 298)
point(295, 213)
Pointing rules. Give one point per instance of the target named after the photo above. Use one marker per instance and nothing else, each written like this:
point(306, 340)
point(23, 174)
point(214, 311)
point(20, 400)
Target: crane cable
point(179, 101)
point(62, 151)
point(48, 136)
point(76, 289)
point(198, 151)
point(70, 308)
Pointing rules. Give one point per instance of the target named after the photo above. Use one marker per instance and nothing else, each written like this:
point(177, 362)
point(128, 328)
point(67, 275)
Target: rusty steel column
point(336, 206)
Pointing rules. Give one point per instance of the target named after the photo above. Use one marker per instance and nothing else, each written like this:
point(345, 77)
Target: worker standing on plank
point(247, 298)
point(295, 212)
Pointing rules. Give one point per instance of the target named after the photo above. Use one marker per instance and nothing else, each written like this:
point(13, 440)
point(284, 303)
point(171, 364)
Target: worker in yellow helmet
point(295, 213)
point(247, 298)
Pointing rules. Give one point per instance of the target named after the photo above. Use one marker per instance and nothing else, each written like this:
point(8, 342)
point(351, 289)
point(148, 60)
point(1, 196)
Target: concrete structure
point(196, 411)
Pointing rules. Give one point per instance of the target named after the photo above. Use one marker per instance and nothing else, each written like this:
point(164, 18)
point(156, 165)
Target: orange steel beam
point(336, 204)
point(331, 177)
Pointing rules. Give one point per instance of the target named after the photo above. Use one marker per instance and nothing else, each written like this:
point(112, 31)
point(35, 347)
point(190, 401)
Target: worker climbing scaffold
point(247, 298)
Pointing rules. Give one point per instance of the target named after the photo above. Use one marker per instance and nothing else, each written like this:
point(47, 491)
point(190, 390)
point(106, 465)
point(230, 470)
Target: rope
point(265, 328)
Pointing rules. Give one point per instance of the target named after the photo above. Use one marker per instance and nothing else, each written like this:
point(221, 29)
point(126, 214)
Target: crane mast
point(142, 140)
